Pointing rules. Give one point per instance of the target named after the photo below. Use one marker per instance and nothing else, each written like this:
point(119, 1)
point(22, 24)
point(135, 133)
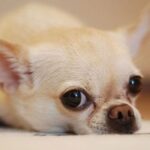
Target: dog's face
point(81, 80)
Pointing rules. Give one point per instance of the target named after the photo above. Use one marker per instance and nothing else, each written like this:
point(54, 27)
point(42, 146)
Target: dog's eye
point(75, 100)
point(135, 85)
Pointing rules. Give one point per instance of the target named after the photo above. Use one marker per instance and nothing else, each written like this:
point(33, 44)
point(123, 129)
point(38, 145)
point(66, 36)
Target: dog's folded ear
point(13, 66)
point(137, 32)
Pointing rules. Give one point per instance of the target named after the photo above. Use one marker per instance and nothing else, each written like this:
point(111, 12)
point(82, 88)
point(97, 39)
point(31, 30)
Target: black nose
point(121, 119)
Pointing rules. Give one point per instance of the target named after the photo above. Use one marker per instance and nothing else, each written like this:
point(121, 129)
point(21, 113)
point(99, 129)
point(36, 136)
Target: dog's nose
point(122, 113)
point(121, 119)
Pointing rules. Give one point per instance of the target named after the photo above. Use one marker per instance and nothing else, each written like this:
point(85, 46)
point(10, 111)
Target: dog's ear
point(13, 66)
point(138, 31)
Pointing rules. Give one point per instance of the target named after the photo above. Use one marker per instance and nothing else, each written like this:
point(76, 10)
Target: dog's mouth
point(114, 128)
point(120, 127)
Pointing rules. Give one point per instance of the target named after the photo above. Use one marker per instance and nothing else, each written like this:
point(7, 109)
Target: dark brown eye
point(75, 100)
point(135, 85)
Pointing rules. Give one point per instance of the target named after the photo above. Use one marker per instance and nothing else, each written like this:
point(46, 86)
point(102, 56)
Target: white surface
point(19, 140)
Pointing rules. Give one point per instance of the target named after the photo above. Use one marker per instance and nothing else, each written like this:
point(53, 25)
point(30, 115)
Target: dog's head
point(78, 79)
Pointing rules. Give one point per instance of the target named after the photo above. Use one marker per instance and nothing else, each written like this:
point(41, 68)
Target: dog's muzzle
point(119, 118)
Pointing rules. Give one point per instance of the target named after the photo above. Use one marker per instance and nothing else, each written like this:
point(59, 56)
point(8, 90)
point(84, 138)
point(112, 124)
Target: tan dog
point(59, 76)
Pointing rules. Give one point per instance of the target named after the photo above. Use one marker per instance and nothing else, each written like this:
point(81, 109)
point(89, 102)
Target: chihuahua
point(57, 75)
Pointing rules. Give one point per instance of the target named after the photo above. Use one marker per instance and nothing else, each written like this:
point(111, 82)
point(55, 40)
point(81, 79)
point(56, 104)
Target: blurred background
point(105, 14)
